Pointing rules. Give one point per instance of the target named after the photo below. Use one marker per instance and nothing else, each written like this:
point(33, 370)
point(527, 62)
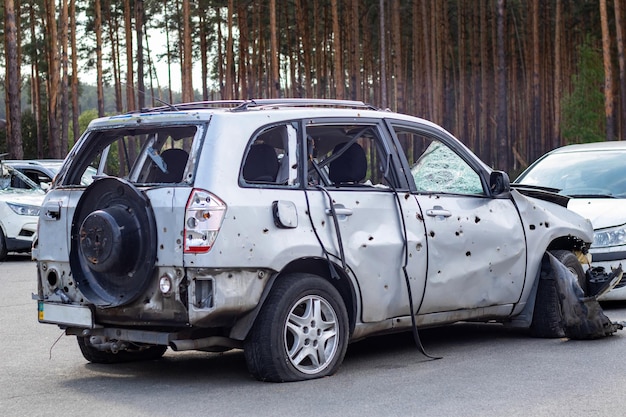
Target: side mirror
point(499, 183)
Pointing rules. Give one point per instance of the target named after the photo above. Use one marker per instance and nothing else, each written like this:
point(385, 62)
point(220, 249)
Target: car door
point(475, 241)
point(354, 207)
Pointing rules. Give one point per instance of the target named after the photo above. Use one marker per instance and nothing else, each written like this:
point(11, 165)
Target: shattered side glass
point(439, 169)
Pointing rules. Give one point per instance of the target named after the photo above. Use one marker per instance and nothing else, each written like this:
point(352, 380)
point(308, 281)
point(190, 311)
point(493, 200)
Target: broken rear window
point(149, 155)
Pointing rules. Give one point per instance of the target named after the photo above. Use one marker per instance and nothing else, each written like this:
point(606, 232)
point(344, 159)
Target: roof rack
point(303, 102)
point(215, 104)
point(242, 105)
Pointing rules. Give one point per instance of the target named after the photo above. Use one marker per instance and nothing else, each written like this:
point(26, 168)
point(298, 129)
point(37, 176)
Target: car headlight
point(610, 237)
point(24, 209)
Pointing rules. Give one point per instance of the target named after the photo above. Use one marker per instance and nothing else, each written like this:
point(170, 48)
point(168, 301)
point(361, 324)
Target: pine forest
point(512, 79)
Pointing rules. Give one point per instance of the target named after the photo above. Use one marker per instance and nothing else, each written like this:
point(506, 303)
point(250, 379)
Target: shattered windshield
point(580, 174)
point(12, 180)
point(439, 169)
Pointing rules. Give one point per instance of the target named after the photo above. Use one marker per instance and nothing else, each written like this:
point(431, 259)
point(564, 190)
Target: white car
point(20, 202)
point(593, 176)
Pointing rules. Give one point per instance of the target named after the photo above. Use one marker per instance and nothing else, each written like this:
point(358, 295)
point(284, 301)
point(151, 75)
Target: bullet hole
point(457, 233)
point(419, 217)
point(364, 245)
point(477, 219)
point(531, 227)
point(468, 253)
point(323, 222)
point(547, 225)
point(371, 238)
point(162, 247)
point(294, 166)
point(265, 230)
point(386, 287)
point(406, 196)
point(418, 247)
point(432, 233)
point(357, 202)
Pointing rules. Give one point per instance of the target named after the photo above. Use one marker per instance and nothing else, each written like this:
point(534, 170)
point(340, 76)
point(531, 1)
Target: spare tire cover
point(113, 243)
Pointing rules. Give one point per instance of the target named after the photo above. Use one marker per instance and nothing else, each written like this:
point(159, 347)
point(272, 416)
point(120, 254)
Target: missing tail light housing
point(203, 218)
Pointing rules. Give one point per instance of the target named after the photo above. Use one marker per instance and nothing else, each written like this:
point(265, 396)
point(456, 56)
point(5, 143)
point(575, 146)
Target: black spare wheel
point(113, 243)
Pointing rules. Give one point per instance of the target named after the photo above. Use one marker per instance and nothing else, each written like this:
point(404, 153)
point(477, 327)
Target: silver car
point(287, 228)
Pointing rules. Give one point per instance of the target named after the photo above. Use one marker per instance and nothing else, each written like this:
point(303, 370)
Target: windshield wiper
point(590, 195)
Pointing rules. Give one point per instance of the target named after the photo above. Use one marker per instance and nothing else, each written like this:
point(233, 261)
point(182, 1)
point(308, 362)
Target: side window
point(345, 155)
point(272, 158)
point(435, 167)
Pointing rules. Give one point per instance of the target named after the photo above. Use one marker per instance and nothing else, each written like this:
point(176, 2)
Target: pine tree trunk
point(619, 29)
point(338, 73)
point(64, 107)
point(187, 62)
point(276, 90)
point(608, 72)
point(54, 137)
point(130, 81)
point(74, 81)
point(99, 70)
point(501, 116)
point(230, 65)
point(383, 55)
point(12, 83)
point(141, 88)
point(35, 86)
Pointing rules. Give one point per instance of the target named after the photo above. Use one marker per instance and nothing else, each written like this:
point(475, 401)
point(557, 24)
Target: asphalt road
point(485, 370)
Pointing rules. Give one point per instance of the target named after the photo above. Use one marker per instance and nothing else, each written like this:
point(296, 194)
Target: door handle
point(438, 211)
point(340, 211)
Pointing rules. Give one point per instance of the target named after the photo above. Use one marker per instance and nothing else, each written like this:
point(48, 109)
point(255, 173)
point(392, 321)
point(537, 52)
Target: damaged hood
point(602, 212)
point(542, 193)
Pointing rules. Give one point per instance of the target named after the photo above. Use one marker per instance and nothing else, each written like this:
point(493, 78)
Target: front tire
point(572, 263)
point(547, 316)
point(301, 332)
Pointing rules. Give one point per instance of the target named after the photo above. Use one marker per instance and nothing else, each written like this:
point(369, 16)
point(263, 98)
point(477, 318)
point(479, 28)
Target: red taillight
point(203, 218)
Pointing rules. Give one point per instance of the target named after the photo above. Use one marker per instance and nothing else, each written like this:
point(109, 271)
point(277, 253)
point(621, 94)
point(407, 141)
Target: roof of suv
point(205, 109)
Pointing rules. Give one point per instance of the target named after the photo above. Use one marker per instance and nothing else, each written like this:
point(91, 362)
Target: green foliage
point(583, 110)
point(29, 135)
point(83, 121)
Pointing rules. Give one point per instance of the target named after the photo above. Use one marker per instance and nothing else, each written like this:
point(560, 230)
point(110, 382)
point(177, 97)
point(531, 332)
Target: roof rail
point(215, 104)
point(242, 105)
point(303, 102)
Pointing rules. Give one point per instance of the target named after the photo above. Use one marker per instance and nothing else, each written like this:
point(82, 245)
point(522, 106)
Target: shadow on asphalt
point(229, 368)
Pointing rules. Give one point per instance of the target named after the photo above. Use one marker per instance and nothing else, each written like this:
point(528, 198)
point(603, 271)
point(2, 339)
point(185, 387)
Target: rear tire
point(301, 332)
point(94, 355)
point(547, 316)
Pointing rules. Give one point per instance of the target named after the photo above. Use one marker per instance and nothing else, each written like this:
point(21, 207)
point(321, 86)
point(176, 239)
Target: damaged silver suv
point(287, 228)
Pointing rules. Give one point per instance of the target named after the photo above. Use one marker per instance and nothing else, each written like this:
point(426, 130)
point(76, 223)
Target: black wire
point(336, 224)
point(331, 266)
point(416, 336)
